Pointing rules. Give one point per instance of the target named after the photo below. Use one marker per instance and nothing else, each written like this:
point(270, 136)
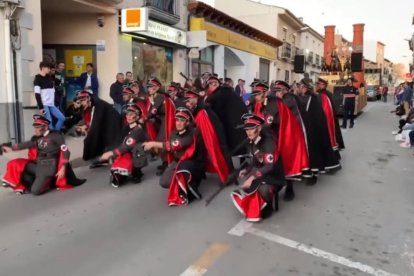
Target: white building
point(230, 47)
point(297, 37)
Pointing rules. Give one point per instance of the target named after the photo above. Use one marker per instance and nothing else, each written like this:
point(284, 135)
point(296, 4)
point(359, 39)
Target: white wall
point(259, 16)
point(3, 94)
point(31, 50)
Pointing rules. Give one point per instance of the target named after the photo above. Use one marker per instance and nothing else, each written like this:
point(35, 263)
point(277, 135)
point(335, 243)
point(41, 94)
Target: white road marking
point(194, 271)
point(244, 227)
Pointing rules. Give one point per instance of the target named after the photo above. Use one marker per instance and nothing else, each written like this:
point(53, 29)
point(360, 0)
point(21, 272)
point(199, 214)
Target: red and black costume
point(47, 155)
point(183, 176)
point(288, 133)
point(260, 199)
point(125, 163)
point(229, 108)
point(217, 157)
point(162, 112)
point(321, 155)
point(335, 134)
point(104, 127)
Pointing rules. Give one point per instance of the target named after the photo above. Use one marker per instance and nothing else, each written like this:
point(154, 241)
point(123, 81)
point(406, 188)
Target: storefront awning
point(220, 18)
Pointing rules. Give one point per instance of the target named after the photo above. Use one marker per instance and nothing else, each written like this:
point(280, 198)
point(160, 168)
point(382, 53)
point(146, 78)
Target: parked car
point(372, 94)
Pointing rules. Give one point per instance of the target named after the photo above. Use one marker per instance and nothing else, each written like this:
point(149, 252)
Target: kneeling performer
point(47, 165)
point(263, 178)
point(129, 156)
point(183, 176)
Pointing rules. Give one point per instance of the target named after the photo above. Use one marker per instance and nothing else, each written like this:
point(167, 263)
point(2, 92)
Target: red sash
point(178, 182)
point(330, 119)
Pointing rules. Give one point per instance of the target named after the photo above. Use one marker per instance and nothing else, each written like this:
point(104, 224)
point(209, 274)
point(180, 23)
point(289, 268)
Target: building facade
point(78, 32)
point(297, 37)
point(229, 47)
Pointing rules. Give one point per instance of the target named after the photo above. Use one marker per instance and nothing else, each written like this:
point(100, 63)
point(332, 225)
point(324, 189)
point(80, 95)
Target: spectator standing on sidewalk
point(128, 78)
point(384, 94)
point(44, 88)
point(116, 92)
point(407, 97)
point(60, 86)
point(89, 81)
point(240, 90)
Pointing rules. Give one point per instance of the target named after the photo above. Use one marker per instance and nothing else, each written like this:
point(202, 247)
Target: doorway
point(75, 58)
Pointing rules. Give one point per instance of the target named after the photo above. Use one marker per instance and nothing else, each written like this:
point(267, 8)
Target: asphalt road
point(359, 221)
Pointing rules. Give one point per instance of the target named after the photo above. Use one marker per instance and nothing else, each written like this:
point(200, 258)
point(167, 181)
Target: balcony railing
point(164, 10)
point(286, 52)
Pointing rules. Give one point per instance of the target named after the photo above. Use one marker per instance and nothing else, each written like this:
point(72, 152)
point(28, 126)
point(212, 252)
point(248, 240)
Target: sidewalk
point(75, 146)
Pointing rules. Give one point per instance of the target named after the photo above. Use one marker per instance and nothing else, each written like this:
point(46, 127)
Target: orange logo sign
point(133, 18)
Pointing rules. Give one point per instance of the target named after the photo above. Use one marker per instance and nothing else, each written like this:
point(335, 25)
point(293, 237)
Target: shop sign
point(134, 20)
point(194, 53)
point(166, 33)
point(100, 45)
point(228, 38)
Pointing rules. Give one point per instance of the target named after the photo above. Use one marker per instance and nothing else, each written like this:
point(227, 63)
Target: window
point(152, 61)
point(264, 69)
point(287, 76)
point(310, 58)
point(167, 6)
point(204, 64)
point(317, 60)
point(286, 50)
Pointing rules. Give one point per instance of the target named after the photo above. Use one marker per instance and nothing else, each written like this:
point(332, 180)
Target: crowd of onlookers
point(404, 102)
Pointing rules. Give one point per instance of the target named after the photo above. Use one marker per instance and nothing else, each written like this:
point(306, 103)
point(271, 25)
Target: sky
point(385, 20)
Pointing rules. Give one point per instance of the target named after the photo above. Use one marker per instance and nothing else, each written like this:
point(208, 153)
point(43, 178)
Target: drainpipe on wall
point(8, 67)
point(12, 124)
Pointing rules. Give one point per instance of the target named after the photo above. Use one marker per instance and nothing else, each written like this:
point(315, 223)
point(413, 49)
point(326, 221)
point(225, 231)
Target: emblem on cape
point(130, 141)
point(154, 111)
point(175, 143)
point(269, 158)
point(269, 119)
point(63, 147)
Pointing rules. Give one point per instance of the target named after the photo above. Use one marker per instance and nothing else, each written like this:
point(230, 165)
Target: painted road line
point(200, 266)
point(244, 227)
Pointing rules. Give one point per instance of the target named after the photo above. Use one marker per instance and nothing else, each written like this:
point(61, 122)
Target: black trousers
point(349, 108)
point(39, 183)
point(401, 123)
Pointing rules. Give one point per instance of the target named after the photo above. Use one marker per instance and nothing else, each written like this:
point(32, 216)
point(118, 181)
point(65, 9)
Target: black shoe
point(351, 126)
point(311, 181)
point(78, 182)
point(98, 164)
point(343, 127)
point(289, 192)
point(115, 180)
point(161, 169)
point(136, 179)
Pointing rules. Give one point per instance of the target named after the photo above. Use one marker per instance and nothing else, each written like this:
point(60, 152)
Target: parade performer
point(102, 126)
point(321, 156)
point(47, 164)
point(335, 134)
point(162, 112)
point(129, 157)
point(229, 108)
point(183, 176)
point(263, 178)
point(288, 134)
point(217, 156)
